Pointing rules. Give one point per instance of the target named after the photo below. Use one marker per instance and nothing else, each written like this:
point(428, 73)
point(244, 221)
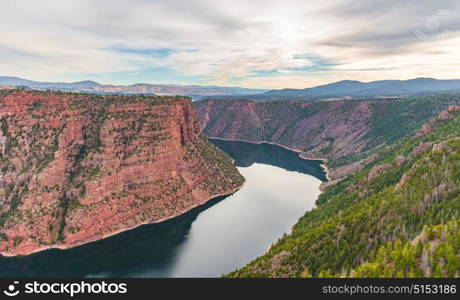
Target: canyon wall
point(345, 132)
point(76, 168)
point(365, 223)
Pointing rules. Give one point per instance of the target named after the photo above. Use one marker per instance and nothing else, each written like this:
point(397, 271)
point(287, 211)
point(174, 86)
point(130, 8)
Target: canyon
point(76, 168)
point(395, 216)
point(345, 133)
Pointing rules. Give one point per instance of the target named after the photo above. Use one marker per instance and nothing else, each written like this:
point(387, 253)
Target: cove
point(224, 234)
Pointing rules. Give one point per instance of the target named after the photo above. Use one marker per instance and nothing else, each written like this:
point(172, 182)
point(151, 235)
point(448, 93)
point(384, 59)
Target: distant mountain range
point(16, 81)
point(87, 86)
point(382, 88)
point(341, 89)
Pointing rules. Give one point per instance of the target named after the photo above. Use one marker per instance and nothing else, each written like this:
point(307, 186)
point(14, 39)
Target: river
point(224, 234)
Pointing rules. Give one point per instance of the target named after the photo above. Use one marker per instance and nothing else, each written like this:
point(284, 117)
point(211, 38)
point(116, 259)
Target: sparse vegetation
point(57, 152)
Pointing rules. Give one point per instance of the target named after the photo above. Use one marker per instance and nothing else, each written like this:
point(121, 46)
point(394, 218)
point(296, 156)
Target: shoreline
point(323, 160)
point(323, 165)
point(63, 247)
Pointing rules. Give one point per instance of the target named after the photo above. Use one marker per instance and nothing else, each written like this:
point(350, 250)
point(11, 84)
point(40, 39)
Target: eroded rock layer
point(345, 132)
point(77, 168)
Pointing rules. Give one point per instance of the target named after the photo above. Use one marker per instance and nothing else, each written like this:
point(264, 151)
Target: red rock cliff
point(77, 168)
point(345, 132)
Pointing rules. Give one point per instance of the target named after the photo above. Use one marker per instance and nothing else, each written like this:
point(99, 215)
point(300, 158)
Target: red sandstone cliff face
point(77, 168)
point(328, 130)
point(300, 125)
point(344, 132)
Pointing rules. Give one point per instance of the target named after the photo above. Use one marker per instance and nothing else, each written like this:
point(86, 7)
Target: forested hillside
point(372, 222)
point(432, 254)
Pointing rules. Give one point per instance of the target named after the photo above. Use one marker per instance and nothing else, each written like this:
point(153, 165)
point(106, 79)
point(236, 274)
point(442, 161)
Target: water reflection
point(246, 154)
point(212, 239)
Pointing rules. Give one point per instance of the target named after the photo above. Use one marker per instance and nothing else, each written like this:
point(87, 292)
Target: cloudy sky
point(263, 44)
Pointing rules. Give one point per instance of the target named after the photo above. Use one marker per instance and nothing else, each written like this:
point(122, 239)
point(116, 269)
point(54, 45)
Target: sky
point(256, 44)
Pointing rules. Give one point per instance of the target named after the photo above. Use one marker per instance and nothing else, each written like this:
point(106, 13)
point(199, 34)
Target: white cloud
point(232, 41)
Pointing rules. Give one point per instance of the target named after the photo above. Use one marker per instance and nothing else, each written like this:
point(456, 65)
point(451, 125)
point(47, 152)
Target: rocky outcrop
point(400, 160)
point(77, 168)
point(377, 171)
point(441, 146)
point(432, 124)
point(422, 148)
point(403, 181)
point(429, 126)
point(344, 170)
point(453, 108)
